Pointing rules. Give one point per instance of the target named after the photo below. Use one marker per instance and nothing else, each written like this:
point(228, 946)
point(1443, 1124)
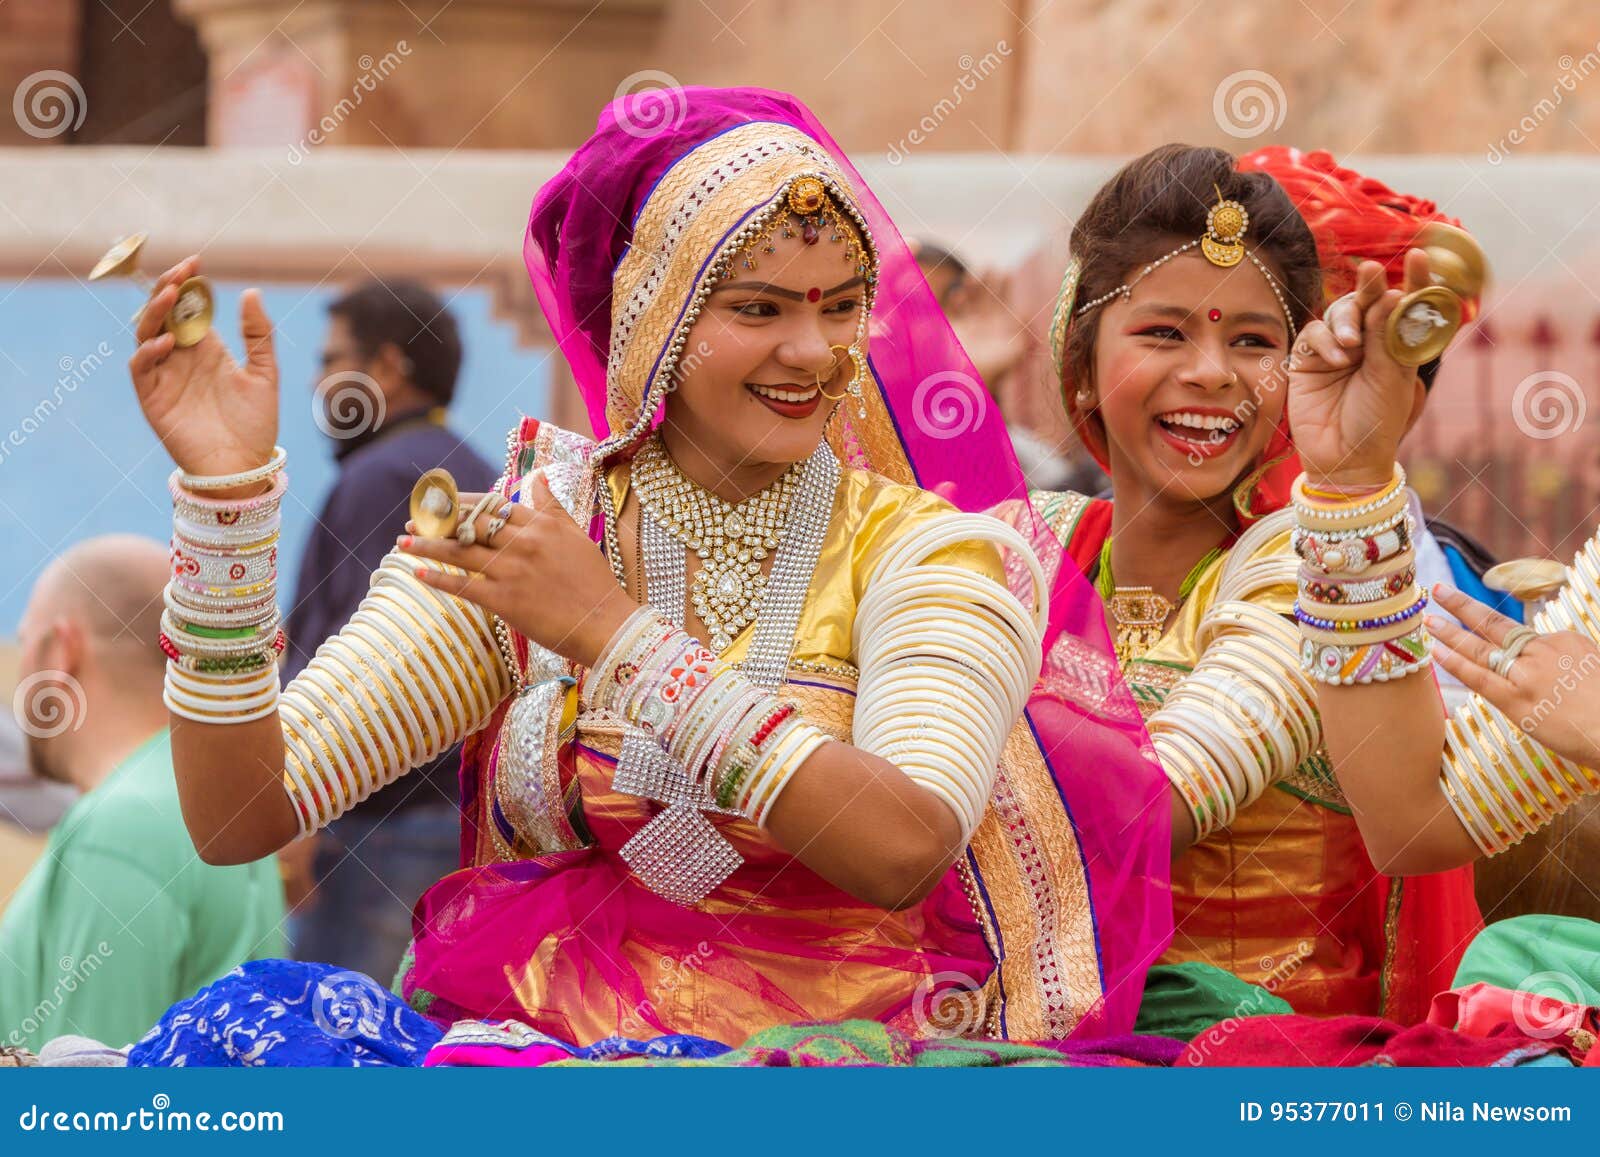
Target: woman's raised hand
point(213, 415)
point(1350, 402)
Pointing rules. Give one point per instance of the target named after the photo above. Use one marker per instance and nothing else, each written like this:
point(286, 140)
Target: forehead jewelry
point(808, 201)
point(1222, 245)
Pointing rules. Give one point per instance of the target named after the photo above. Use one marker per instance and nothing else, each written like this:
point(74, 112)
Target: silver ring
point(491, 530)
point(1517, 640)
point(467, 532)
point(1501, 662)
point(1504, 657)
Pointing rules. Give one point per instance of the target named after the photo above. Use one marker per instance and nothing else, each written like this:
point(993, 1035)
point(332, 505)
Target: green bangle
point(730, 782)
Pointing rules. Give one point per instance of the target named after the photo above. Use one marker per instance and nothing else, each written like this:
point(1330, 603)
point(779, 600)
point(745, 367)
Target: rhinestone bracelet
point(1317, 588)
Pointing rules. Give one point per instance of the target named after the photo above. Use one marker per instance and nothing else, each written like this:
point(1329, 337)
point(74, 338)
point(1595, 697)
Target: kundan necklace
point(730, 540)
point(1139, 614)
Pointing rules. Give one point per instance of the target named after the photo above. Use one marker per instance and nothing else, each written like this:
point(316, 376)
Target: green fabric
point(851, 1043)
point(1556, 956)
point(1183, 1000)
point(120, 918)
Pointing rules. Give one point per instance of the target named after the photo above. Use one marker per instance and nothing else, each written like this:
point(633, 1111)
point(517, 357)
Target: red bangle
point(767, 728)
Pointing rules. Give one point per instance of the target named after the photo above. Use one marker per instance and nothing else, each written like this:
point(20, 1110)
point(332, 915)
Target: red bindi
point(813, 294)
point(1215, 315)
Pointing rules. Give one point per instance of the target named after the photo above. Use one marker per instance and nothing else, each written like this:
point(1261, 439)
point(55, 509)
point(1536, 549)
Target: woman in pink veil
point(668, 826)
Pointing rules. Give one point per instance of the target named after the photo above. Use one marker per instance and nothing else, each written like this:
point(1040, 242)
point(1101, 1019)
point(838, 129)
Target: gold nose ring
point(833, 369)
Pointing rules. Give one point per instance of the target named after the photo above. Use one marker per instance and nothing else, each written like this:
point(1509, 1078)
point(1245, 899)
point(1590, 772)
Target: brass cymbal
point(1422, 325)
point(436, 504)
point(1528, 579)
point(190, 318)
point(121, 260)
point(1455, 257)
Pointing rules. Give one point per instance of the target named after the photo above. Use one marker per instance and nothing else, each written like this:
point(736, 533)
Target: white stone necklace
point(730, 540)
point(680, 854)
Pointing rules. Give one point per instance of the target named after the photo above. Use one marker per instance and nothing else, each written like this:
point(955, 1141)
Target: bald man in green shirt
point(120, 917)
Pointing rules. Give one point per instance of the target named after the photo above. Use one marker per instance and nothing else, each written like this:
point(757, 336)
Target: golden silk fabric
point(874, 963)
point(1277, 898)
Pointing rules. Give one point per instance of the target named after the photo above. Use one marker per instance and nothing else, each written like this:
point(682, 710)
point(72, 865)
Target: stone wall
point(1475, 77)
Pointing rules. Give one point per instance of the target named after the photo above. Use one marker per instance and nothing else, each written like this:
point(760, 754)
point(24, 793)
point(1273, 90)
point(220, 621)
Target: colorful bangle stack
point(1502, 785)
point(1359, 608)
point(739, 744)
point(221, 629)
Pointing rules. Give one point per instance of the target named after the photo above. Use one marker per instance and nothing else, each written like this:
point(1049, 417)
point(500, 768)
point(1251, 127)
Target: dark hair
point(410, 316)
point(1160, 200)
point(936, 256)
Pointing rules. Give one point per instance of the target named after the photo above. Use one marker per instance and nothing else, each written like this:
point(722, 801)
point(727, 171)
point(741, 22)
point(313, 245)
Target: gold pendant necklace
point(731, 540)
point(1140, 615)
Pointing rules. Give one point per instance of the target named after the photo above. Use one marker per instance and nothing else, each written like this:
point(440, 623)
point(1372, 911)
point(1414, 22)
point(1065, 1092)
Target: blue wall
point(87, 464)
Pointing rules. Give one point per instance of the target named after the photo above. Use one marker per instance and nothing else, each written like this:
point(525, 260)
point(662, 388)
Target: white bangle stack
point(947, 658)
point(1502, 784)
point(413, 673)
point(1347, 636)
point(1246, 716)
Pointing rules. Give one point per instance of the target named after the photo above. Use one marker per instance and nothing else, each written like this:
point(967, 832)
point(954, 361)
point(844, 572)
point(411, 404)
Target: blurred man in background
point(390, 359)
point(119, 917)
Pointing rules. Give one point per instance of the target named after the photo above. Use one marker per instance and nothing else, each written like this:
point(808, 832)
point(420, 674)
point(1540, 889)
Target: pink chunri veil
point(954, 440)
